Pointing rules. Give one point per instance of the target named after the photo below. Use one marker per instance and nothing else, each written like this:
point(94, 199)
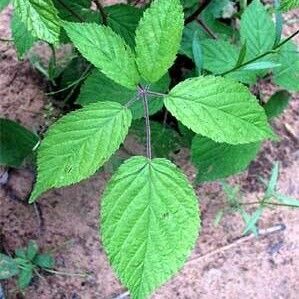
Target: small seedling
point(271, 198)
point(26, 263)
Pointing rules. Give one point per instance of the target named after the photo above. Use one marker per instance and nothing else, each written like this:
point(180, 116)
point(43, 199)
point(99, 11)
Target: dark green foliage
point(16, 143)
point(27, 262)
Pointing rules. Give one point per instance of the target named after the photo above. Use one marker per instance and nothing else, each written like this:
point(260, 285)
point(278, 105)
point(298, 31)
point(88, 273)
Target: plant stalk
point(202, 5)
point(147, 126)
point(70, 10)
point(102, 11)
point(262, 55)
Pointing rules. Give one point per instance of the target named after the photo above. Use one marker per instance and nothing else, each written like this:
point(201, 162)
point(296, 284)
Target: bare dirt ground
point(223, 264)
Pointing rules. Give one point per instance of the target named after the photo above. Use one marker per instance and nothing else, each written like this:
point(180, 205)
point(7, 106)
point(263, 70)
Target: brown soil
point(223, 264)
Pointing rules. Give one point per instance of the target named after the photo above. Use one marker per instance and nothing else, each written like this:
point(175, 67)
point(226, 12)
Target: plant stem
point(206, 28)
point(132, 101)
point(265, 203)
point(148, 126)
point(102, 11)
point(83, 76)
point(6, 40)
point(65, 273)
point(262, 55)
point(154, 93)
point(70, 10)
point(202, 5)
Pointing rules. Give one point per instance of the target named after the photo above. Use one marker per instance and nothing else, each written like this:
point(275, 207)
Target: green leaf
point(218, 217)
point(80, 143)
point(287, 75)
point(158, 38)
point(106, 50)
point(261, 65)
point(124, 19)
point(219, 108)
point(278, 22)
point(271, 187)
point(287, 5)
point(186, 135)
point(150, 223)
point(21, 253)
point(8, 267)
point(252, 220)
point(25, 277)
point(76, 11)
point(220, 29)
point(242, 54)
point(32, 250)
point(187, 39)
point(44, 261)
point(197, 52)
point(277, 103)
point(164, 139)
point(16, 143)
point(257, 29)
point(287, 200)
point(219, 160)
point(3, 4)
point(99, 88)
point(40, 18)
point(246, 217)
point(220, 56)
point(23, 39)
point(232, 194)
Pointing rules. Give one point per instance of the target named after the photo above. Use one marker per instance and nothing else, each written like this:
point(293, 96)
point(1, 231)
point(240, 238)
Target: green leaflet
point(158, 38)
point(252, 220)
point(3, 4)
point(97, 87)
point(257, 29)
point(44, 261)
point(80, 143)
point(287, 5)
point(277, 103)
point(219, 108)
point(287, 75)
point(197, 52)
point(25, 277)
point(219, 160)
point(106, 50)
point(76, 11)
point(23, 39)
point(16, 143)
point(8, 267)
point(40, 17)
point(220, 56)
point(187, 39)
point(150, 223)
point(124, 19)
